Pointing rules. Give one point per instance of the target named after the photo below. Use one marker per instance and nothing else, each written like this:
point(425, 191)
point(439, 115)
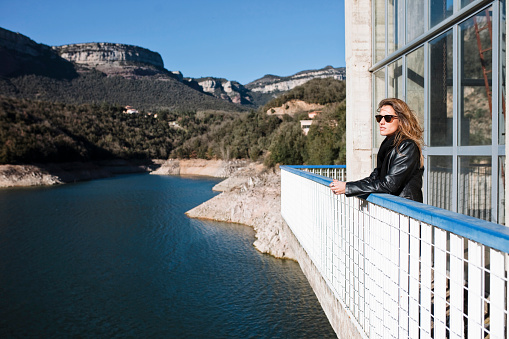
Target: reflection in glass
point(441, 91)
point(379, 30)
point(476, 59)
point(415, 83)
point(501, 190)
point(395, 80)
point(439, 10)
point(379, 95)
point(395, 26)
point(466, 2)
point(474, 187)
point(440, 181)
point(414, 19)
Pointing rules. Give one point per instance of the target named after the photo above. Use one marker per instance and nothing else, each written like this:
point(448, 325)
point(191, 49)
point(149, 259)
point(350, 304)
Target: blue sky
point(234, 39)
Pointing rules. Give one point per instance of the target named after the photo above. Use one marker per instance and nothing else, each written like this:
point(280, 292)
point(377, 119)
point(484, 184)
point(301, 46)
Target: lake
point(118, 257)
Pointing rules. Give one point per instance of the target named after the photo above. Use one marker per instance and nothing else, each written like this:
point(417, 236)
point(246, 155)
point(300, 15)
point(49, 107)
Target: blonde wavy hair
point(408, 127)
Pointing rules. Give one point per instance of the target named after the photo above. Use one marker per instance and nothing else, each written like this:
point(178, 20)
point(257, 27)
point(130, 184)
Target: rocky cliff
point(94, 54)
point(19, 55)
point(274, 84)
point(260, 91)
point(224, 89)
point(116, 59)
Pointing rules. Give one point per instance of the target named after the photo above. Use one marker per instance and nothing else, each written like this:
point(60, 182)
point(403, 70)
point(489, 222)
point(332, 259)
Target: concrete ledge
point(338, 317)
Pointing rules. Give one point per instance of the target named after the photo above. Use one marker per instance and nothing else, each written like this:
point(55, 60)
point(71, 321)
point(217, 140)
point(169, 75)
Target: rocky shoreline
point(61, 173)
point(211, 168)
point(251, 196)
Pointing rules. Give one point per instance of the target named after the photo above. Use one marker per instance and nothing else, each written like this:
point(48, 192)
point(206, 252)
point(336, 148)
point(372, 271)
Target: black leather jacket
point(403, 178)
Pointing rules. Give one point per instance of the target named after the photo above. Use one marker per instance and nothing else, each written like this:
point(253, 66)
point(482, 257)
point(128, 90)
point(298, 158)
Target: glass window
point(501, 95)
point(395, 25)
point(476, 64)
point(439, 10)
point(379, 95)
point(440, 181)
point(379, 30)
point(441, 90)
point(415, 83)
point(395, 85)
point(466, 2)
point(474, 187)
point(501, 190)
point(414, 19)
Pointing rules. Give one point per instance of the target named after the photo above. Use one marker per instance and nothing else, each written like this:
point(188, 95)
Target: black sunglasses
point(388, 118)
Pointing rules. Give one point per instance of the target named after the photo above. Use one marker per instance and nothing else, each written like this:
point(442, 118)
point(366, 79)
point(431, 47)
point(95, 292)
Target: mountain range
point(128, 75)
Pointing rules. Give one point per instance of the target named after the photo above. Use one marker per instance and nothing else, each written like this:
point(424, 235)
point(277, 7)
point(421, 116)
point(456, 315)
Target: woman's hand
point(338, 187)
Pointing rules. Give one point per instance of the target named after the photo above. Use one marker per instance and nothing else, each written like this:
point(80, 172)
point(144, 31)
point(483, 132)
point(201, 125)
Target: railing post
point(426, 280)
point(497, 288)
point(404, 276)
point(475, 290)
point(440, 284)
point(456, 286)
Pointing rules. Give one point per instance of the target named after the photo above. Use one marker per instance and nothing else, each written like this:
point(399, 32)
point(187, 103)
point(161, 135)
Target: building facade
point(447, 60)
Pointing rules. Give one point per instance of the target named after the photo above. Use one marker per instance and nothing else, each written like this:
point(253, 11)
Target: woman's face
point(388, 128)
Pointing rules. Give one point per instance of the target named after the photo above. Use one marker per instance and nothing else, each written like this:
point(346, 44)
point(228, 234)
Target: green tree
point(287, 145)
point(326, 140)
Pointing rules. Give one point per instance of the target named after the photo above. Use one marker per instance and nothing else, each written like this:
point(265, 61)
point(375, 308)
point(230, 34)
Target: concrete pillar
point(359, 112)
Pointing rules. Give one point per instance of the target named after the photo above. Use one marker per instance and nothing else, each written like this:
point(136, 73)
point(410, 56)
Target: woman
point(399, 161)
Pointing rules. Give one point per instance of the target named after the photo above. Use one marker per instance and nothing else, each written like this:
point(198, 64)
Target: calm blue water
point(118, 258)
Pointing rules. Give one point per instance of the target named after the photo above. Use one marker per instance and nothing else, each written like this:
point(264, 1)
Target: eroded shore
point(61, 173)
point(251, 196)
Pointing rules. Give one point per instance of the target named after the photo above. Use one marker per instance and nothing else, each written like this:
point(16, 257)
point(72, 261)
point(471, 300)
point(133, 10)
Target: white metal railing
point(401, 269)
point(333, 171)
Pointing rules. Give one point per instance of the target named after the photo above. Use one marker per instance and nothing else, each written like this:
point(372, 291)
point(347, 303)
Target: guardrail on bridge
point(401, 269)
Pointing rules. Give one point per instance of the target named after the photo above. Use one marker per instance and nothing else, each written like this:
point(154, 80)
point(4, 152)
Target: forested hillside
point(93, 87)
point(316, 91)
point(41, 131)
point(257, 135)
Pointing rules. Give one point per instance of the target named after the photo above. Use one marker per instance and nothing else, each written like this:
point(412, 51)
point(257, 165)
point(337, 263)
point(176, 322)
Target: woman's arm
point(338, 187)
point(401, 166)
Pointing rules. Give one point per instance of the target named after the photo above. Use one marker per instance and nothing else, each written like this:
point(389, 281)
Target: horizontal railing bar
point(316, 166)
point(315, 177)
point(487, 233)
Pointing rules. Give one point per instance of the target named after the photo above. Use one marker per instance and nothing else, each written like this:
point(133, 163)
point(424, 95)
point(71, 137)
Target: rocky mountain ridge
point(94, 54)
point(20, 55)
point(21, 43)
point(115, 59)
point(224, 89)
point(273, 83)
point(96, 73)
point(260, 91)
